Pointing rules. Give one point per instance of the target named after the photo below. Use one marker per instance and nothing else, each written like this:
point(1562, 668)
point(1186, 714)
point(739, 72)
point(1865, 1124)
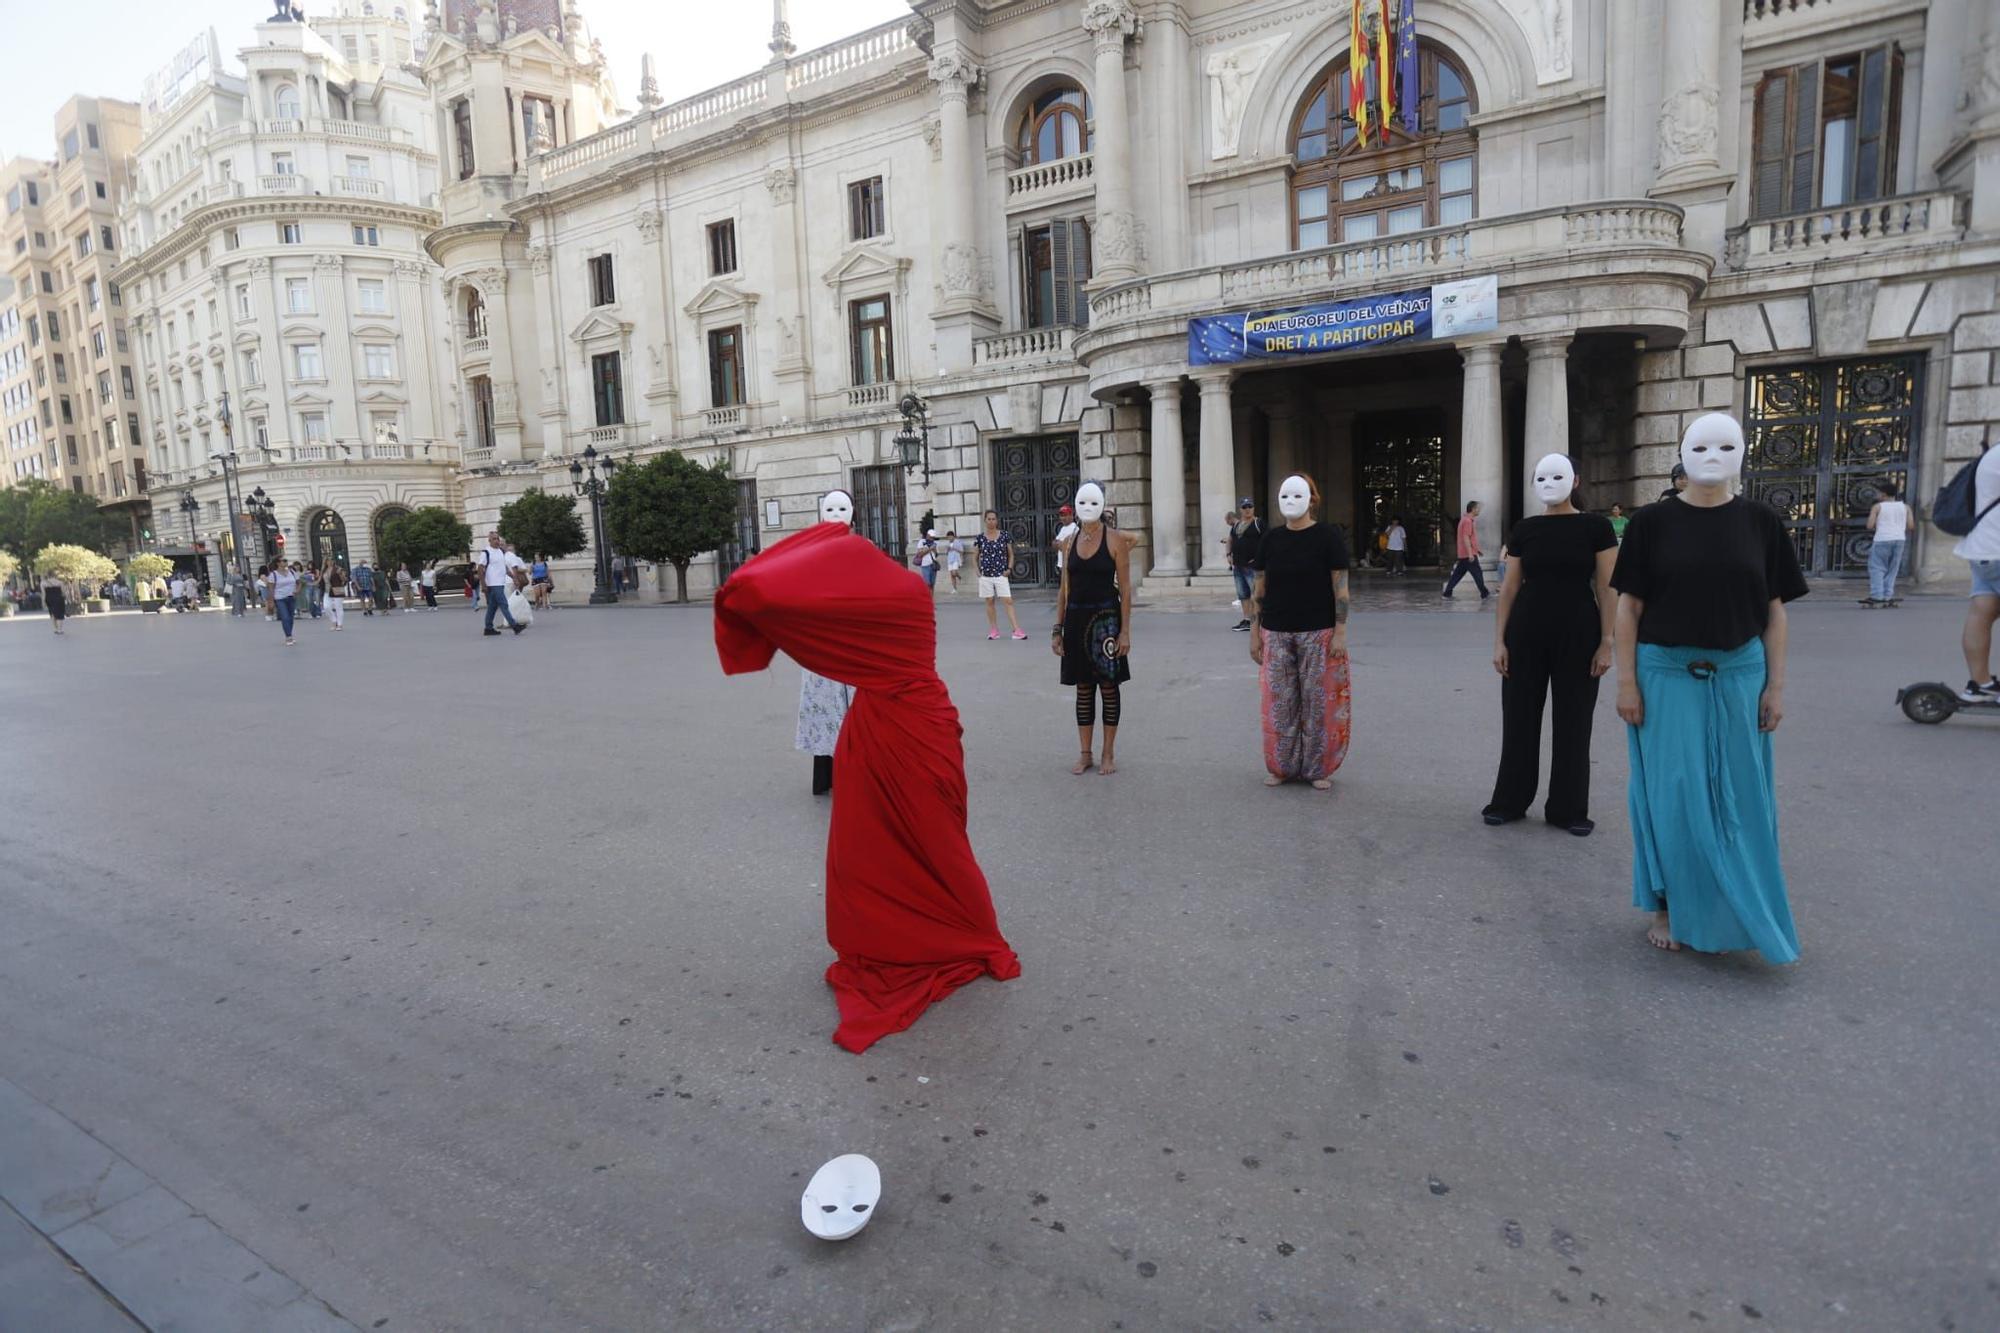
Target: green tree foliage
point(147, 566)
point(9, 563)
point(671, 509)
point(540, 524)
point(36, 513)
point(76, 565)
point(418, 538)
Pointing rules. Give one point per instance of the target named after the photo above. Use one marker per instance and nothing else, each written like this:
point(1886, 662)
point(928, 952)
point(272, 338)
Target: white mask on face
point(836, 507)
point(841, 1197)
point(1712, 449)
point(1555, 478)
point(1089, 502)
point(1294, 497)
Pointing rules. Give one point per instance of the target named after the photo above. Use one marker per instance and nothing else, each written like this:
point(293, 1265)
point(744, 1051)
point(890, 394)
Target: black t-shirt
point(1558, 553)
point(1707, 576)
point(1244, 539)
point(1298, 570)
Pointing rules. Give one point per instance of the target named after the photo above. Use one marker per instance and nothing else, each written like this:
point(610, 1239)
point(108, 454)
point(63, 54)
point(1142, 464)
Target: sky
point(697, 44)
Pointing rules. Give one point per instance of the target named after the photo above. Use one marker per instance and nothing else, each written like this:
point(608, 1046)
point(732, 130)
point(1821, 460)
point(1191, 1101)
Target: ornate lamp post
point(230, 490)
point(189, 506)
point(913, 441)
point(584, 479)
point(263, 506)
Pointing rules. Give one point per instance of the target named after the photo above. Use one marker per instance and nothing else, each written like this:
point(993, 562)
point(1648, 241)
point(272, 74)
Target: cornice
point(200, 225)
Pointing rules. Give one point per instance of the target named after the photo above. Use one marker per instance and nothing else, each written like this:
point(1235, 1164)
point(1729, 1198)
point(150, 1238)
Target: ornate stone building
point(1178, 246)
point(283, 305)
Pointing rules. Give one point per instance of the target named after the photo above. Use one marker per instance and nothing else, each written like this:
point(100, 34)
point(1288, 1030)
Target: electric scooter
point(1932, 702)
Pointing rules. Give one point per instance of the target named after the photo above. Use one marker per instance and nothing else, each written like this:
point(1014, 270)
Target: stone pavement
point(474, 983)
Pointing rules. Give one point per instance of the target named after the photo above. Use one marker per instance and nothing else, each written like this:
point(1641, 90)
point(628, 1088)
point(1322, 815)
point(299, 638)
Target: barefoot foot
point(1107, 765)
point(1082, 765)
point(1661, 934)
point(1322, 784)
point(1273, 780)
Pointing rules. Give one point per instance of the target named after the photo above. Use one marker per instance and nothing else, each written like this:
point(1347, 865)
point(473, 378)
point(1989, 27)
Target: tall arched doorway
point(327, 539)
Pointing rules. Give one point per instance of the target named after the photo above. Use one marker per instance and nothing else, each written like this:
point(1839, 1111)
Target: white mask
point(1712, 449)
point(1294, 497)
point(841, 1197)
point(1089, 502)
point(836, 507)
point(1555, 478)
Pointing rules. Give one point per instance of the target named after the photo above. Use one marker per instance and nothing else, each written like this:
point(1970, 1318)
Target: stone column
point(1547, 426)
point(1169, 485)
point(1690, 91)
point(793, 371)
point(962, 311)
point(1218, 466)
point(420, 340)
point(1283, 459)
point(1480, 459)
point(1115, 242)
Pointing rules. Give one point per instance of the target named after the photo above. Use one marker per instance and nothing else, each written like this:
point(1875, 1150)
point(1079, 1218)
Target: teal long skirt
point(1704, 803)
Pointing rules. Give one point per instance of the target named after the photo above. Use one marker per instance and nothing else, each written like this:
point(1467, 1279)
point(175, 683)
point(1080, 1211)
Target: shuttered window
point(1055, 265)
point(1825, 132)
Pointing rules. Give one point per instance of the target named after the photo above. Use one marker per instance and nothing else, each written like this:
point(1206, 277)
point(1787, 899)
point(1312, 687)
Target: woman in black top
point(1299, 641)
point(1093, 631)
point(1702, 584)
point(1553, 635)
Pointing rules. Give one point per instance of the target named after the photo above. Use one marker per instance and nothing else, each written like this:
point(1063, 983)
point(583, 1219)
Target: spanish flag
point(1357, 70)
point(1385, 64)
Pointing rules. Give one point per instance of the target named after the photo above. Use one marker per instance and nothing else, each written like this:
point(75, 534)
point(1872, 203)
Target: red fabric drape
point(907, 909)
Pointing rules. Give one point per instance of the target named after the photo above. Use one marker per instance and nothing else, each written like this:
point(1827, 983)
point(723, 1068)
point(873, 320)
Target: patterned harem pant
point(1305, 705)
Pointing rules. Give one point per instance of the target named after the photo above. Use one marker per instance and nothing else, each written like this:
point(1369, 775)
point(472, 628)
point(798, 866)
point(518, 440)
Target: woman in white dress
point(822, 702)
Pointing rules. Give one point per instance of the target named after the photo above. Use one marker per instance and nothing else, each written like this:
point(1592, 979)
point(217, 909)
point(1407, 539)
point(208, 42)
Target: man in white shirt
point(1067, 517)
point(496, 566)
point(1980, 548)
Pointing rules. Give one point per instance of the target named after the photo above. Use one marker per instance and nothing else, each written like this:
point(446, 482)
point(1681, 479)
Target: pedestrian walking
point(1553, 635)
point(364, 587)
point(1702, 585)
point(1093, 629)
point(496, 567)
point(1066, 518)
point(336, 597)
point(954, 556)
point(1298, 639)
point(1397, 547)
point(428, 582)
point(1618, 521)
point(1246, 536)
point(311, 589)
point(1980, 549)
point(406, 582)
point(1468, 553)
point(284, 586)
point(927, 557)
point(55, 600)
point(995, 552)
point(1889, 520)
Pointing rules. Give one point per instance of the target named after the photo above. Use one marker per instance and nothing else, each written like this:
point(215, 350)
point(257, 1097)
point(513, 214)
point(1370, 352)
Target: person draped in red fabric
point(908, 912)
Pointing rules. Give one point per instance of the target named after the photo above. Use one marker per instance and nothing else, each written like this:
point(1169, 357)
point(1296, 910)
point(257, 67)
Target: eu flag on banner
point(1326, 326)
point(1406, 64)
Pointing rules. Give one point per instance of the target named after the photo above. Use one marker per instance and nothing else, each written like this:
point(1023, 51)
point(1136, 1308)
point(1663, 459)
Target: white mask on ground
point(1089, 502)
point(836, 507)
point(1294, 497)
point(841, 1197)
point(1712, 449)
point(1555, 478)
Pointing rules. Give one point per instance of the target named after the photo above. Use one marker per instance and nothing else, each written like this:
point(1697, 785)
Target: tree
point(671, 509)
point(9, 562)
point(75, 565)
point(146, 566)
point(540, 524)
point(36, 513)
point(418, 538)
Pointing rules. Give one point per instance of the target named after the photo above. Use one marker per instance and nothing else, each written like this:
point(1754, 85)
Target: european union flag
point(1215, 340)
point(1406, 65)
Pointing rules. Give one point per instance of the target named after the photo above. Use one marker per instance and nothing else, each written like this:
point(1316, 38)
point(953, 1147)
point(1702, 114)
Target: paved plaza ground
point(441, 982)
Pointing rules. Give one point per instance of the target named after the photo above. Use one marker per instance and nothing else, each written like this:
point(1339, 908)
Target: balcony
point(284, 127)
point(1026, 345)
point(479, 457)
point(217, 191)
point(1849, 231)
point(871, 395)
point(362, 186)
point(285, 182)
point(605, 437)
point(723, 418)
point(474, 347)
point(354, 129)
point(1045, 182)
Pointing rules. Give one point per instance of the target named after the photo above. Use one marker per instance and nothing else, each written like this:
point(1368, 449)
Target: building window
point(97, 344)
point(305, 361)
point(83, 243)
point(253, 366)
point(357, 168)
point(461, 132)
point(482, 412)
point(1055, 264)
point(865, 209)
point(1056, 125)
point(1401, 179)
point(367, 235)
point(90, 296)
point(725, 367)
point(603, 290)
point(112, 287)
point(378, 361)
point(475, 313)
point(290, 233)
point(298, 296)
point(48, 283)
point(313, 427)
point(373, 296)
point(607, 392)
point(1824, 133)
point(90, 135)
point(868, 329)
point(132, 434)
point(722, 247)
point(69, 150)
point(286, 103)
point(125, 382)
point(281, 164)
point(242, 300)
point(99, 186)
point(105, 240)
point(68, 415)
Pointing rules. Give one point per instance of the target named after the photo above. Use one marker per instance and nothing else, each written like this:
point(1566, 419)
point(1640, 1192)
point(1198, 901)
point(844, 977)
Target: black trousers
point(1547, 656)
point(1460, 570)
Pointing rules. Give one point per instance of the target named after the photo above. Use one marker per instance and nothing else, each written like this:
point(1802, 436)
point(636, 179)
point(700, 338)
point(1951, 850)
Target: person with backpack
point(1968, 507)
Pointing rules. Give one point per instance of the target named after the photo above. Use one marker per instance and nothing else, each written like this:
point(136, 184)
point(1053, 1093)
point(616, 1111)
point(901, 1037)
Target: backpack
point(1953, 510)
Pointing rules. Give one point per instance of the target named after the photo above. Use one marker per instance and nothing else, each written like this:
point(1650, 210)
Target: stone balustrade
point(1044, 180)
point(605, 437)
point(741, 95)
point(283, 182)
point(723, 418)
point(871, 395)
point(1848, 230)
point(475, 347)
point(584, 152)
point(1024, 345)
point(886, 42)
point(357, 185)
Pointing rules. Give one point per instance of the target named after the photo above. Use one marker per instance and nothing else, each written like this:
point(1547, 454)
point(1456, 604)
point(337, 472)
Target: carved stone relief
point(1232, 75)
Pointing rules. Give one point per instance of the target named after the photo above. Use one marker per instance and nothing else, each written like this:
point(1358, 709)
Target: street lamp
point(229, 488)
point(584, 479)
point(190, 506)
point(913, 441)
point(263, 506)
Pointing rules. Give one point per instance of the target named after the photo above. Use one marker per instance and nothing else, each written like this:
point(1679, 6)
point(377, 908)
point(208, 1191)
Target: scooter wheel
point(1929, 704)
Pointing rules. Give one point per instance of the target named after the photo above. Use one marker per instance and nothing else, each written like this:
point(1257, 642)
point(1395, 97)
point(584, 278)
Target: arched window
point(286, 102)
point(475, 313)
point(1405, 178)
point(327, 539)
point(1055, 125)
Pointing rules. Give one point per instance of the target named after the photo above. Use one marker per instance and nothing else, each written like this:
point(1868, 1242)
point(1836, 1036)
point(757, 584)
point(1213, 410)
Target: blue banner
point(1310, 330)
